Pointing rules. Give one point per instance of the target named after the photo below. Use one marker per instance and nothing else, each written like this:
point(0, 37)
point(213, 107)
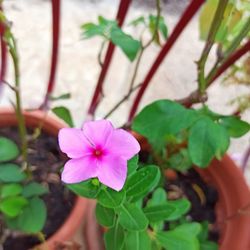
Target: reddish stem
point(182, 23)
point(121, 14)
point(195, 97)
point(3, 55)
point(231, 60)
point(55, 48)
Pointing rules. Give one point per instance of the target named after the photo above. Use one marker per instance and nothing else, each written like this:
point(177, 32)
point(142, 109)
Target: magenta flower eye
point(97, 151)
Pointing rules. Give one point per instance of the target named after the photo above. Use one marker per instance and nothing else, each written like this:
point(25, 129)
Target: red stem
point(231, 60)
point(3, 55)
point(184, 20)
point(55, 48)
point(121, 14)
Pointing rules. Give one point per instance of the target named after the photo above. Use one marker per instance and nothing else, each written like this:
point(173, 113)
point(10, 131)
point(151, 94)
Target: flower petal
point(123, 143)
point(113, 172)
point(73, 142)
point(98, 132)
point(78, 170)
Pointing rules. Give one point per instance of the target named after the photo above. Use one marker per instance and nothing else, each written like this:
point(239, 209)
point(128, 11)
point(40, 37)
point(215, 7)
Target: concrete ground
point(78, 67)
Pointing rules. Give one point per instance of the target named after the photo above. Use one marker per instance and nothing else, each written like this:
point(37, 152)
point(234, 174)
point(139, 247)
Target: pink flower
point(97, 150)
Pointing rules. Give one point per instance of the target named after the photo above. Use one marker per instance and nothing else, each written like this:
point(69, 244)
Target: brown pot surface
point(51, 126)
point(234, 195)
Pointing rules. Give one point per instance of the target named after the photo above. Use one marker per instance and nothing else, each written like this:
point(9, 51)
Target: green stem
point(234, 45)
point(11, 43)
point(218, 17)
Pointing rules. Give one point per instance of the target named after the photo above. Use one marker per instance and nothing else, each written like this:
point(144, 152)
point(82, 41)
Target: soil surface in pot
point(202, 196)
point(46, 160)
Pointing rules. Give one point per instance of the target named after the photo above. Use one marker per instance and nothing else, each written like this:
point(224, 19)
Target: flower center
point(97, 152)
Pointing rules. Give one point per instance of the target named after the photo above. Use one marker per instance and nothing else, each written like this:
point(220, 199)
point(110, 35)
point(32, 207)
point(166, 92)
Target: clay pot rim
point(51, 125)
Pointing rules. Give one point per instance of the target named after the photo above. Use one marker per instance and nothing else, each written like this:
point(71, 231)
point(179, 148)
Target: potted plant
point(143, 206)
point(36, 211)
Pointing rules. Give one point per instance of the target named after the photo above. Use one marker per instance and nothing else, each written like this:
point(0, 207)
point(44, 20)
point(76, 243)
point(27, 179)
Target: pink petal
point(78, 170)
point(73, 142)
point(113, 172)
point(98, 131)
point(122, 143)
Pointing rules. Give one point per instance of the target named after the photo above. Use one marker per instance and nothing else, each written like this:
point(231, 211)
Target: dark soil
point(202, 196)
point(46, 161)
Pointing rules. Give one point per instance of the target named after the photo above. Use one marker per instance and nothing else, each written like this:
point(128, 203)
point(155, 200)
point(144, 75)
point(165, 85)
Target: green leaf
point(34, 189)
point(111, 198)
point(12, 206)
point(10, 190)
point(162, 28)
point(161, 119)
point(105, 216)
point(114, 238)
point(64, 114)
point(208, 245)
point(132, 165)
point(235, 126)
point(180, 161)
point(8, 149)
point(142, 182)
point(158, 213)
point(86, 189)
point(11, 173)
point(137, 240)
point(159, 197)
point(207, 140)
point(60, 97)
point(137, 21)
point(132, 218)
point(127, 43)
point(181, 207)
point(33, 217)
point(182, 237)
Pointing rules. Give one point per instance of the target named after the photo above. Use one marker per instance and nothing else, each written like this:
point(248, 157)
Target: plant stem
point(143, 48)
point(55, 49)
point(98, 93)
point(100, 53)
point(234, 45)
point(18, 108)
point(218, 17)
point(184, 20)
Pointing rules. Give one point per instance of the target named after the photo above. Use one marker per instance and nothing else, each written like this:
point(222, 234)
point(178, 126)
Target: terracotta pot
point(234, 195)
point(51, 126)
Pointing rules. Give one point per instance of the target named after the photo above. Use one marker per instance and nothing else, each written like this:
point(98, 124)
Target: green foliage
point(181, 207)
point(162, 118)
point(105, 216)
point(32, 218)
point(109, 30)
point(111, 198)
point(132, 218)
point(142, 182)
point(64, 114)
point(132, 165)
point(10, 172)
point(137, 241)
point(9, 190)
point(8, 150)
point(34, 189)
point(65, 96)
point(12, 206)
point(206, 140)
point(182, 237)
point(86, 189)
point(114, 238)
point(233, 21)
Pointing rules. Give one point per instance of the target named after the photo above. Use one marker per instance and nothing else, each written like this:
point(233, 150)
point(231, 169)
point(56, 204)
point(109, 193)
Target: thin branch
point(143, 48)
point(125, 98)
point(217, 19)
point(184, 20)
point(100, 53)
point(97, 96)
